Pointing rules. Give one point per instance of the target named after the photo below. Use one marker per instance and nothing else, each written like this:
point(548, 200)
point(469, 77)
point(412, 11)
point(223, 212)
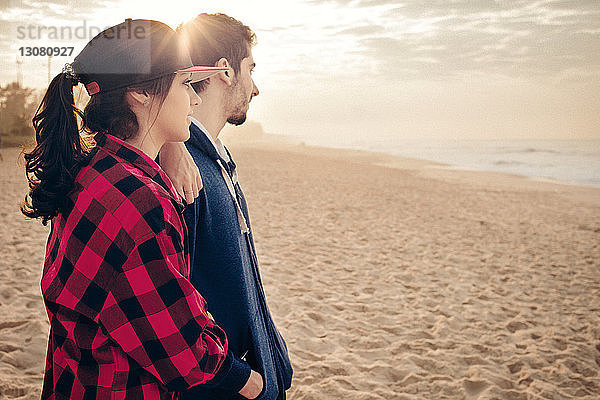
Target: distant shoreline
point(273, 141)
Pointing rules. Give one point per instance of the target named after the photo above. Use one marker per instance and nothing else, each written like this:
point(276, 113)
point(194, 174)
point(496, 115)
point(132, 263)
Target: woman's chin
point(185, 134)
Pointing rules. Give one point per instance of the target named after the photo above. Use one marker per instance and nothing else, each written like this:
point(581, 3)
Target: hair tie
point(70, 73)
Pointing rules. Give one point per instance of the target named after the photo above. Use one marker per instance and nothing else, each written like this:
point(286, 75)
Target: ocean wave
point(534, 150)
point(505, 162)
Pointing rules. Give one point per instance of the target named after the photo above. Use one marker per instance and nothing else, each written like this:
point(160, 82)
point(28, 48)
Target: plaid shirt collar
point(140, 160)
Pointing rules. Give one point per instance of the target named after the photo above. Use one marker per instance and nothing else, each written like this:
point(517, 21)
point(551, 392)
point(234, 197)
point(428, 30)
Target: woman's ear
point(225, 76)
point(139, 98)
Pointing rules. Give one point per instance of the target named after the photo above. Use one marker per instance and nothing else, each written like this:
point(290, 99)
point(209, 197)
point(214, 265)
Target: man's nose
point(255, 90)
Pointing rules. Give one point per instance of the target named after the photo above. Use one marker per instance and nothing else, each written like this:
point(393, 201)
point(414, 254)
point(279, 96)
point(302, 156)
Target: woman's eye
point(188, 83)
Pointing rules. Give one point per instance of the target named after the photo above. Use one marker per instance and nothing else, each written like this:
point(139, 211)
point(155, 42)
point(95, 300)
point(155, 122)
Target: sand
point(390, 278)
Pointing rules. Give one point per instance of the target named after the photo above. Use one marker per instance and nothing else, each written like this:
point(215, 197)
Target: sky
point(342, 71)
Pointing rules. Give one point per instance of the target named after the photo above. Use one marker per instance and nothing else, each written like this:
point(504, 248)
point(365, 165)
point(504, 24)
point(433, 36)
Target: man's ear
point(225, 76)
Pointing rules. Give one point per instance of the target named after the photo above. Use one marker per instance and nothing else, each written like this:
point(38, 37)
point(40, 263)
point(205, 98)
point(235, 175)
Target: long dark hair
point(59, 154)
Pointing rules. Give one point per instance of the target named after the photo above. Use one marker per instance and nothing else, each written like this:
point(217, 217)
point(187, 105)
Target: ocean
point(569, 161)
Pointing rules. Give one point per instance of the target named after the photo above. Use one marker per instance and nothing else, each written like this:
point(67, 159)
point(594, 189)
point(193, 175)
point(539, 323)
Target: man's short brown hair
point(211, 37)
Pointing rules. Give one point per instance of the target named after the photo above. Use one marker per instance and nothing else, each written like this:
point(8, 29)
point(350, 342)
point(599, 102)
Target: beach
point(390, 278)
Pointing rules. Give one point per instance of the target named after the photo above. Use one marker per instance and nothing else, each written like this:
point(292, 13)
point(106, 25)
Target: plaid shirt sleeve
point(159, 320)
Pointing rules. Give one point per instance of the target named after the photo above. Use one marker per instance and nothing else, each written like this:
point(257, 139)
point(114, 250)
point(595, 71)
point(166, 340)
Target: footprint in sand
point(11, 324)
point(11, 391)
point(559, 344)
point(516, 367)
point(474, 388)
point(7, 348)
point(516, 326)
point(316, 317)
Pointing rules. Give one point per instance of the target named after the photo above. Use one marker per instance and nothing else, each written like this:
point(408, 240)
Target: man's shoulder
point(196, 149)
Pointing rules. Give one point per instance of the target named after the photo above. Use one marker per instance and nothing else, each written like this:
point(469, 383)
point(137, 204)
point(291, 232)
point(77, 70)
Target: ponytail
point(52, 165)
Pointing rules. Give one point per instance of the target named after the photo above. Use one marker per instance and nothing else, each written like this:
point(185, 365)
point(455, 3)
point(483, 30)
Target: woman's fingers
point(199, 181)
point(191, 192)
point(188, 195)
point(194, 190)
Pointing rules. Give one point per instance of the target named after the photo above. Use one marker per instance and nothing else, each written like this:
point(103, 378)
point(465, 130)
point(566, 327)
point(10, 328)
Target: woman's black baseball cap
point(133, 52)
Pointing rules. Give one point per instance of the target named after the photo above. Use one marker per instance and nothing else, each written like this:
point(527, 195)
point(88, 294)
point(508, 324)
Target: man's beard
point(237, 119)
point(238, 115)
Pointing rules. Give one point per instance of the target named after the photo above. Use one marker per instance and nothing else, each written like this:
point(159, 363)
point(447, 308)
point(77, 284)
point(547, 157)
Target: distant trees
point(17, 106)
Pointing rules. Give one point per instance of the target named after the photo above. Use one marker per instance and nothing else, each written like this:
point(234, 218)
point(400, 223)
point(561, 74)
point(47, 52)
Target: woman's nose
point(195, 99)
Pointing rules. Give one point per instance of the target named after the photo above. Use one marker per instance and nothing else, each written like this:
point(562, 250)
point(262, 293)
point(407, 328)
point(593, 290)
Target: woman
point(125, 322)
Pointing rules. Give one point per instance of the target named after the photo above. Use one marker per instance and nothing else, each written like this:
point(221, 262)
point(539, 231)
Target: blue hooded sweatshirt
point(224, 269)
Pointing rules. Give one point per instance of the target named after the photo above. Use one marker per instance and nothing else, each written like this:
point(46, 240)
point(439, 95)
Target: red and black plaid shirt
point(125, 322)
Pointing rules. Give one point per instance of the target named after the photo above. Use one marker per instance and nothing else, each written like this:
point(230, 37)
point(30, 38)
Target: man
point(224, 267)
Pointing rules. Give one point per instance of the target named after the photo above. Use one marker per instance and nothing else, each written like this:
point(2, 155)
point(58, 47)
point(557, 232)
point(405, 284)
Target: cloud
point(362, 30)
point(356, 3)
point(442, 38)
point(279, 29)
point(32, 23)
point(37, 11)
